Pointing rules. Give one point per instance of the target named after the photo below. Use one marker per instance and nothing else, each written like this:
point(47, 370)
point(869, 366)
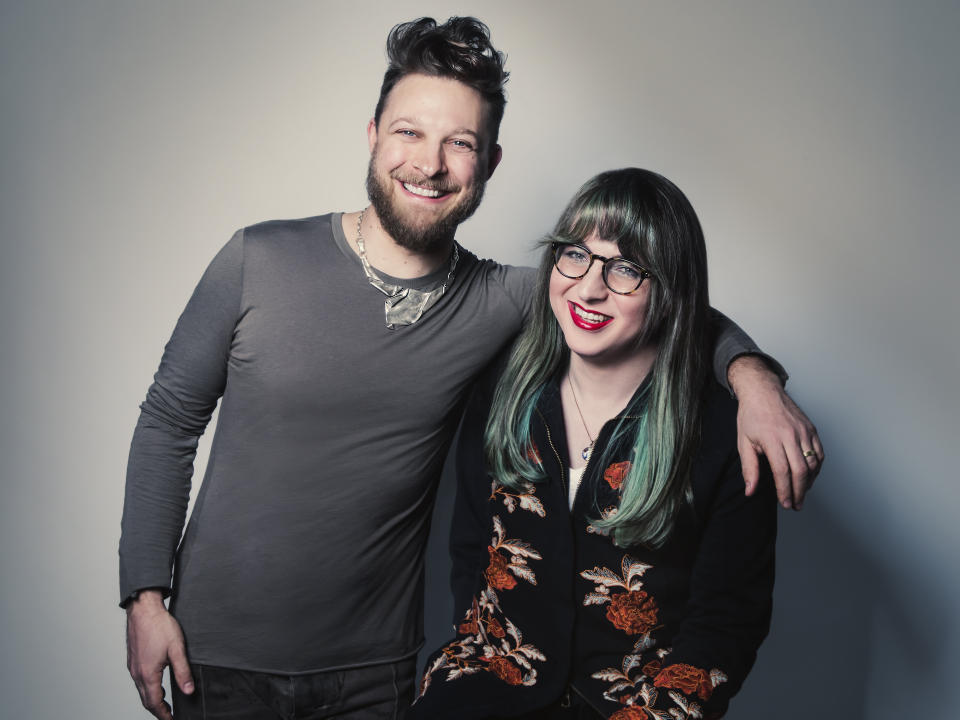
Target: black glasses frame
point(558, 247)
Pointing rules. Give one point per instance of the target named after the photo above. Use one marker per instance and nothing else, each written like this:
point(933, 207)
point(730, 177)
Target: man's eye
point(461, 144)
point(407, 133)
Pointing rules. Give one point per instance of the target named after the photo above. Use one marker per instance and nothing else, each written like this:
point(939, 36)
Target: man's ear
point(496, 154)
point(372, 134)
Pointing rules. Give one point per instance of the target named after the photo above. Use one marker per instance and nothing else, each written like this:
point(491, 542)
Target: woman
point(606, 560)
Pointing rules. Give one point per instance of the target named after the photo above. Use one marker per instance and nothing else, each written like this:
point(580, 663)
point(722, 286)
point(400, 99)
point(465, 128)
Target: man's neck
point(384, 254)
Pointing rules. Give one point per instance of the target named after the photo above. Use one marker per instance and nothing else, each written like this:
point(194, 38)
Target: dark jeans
point(374, 692)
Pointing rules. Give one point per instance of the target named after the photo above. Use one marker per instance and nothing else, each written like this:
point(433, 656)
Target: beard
point(423, 236)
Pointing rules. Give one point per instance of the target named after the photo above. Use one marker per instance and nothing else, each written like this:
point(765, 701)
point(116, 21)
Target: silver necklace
point(585, 453)
point(403, 306)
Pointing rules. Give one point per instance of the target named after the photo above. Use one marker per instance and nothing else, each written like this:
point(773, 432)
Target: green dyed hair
point(653, 224)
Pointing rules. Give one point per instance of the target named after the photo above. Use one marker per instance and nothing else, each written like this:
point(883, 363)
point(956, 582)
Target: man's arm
point(179, 403)
point(768, 421)
point(154, 640)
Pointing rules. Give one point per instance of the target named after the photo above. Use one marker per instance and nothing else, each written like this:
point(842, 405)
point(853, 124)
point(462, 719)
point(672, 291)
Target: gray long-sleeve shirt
point(305, 548)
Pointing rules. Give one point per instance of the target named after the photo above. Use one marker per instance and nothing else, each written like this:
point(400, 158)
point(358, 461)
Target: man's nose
point(429, 159)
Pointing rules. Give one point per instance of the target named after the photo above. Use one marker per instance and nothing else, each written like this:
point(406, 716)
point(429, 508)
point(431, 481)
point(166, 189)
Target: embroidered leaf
point(494, 489)
point(510, 503)
point(488, 651)
point(609, 674)
point(617, 688)
point(532, 652)
point(514, 632)
point(489, 600)
point(649, 694)
point(530, 678)
point(518, 560)
point(695, 711)
point(680, 700)
point(630, 662)
point(595, 599)
point(632, 571)
point(644, 643)
point(533, 504)
point(663, 652)
point(471, 669)
point(603, 576)
point(674, 713)
point(518, 547)
point(524, 572)
point(658, 714)
point(717, 677)
point(522, 661)
point(498, 531)
point(454, 674)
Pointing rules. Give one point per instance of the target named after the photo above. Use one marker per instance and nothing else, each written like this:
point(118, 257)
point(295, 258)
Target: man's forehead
point(418, 94)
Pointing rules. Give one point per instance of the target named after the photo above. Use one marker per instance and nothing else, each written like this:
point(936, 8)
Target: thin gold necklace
point(585, 453)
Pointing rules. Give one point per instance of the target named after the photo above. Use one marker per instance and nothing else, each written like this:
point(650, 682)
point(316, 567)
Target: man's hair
point(460, 49)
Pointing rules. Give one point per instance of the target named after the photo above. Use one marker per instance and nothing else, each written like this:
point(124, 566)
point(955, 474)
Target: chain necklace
point(403, 306)
point(585, 453)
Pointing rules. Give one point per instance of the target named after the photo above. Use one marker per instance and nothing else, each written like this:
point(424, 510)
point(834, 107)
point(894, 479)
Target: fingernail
point(188, 688)
point(787, 505)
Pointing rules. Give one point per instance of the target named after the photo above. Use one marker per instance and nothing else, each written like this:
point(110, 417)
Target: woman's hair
point(653, 224)
point(459, 49)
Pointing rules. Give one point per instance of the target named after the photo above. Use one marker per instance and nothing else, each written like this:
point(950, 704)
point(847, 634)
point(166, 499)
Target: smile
point(587, 320)
point(422, 191)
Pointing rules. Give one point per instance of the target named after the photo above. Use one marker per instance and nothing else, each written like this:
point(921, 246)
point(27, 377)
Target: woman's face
point(598, 324)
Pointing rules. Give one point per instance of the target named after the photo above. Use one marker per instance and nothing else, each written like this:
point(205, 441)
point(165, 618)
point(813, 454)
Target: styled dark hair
point(459, 49)
point(653, 224)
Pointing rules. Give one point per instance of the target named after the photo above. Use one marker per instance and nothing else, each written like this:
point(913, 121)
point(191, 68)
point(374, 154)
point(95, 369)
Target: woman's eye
point(574, 255)
point(626, 271)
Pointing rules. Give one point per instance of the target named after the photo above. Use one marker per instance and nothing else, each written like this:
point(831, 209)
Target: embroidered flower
point(497, 574)
point(533, 453)
point(651, 668)
point(630, 713)
point(615, 474)
point(685, 678)
point(634, 612)
point(469, 628)
point(506, 670)
point(496, 629)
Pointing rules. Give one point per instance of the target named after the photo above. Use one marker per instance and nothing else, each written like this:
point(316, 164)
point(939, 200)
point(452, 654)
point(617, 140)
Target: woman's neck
point(610, 385)
point(593, 393)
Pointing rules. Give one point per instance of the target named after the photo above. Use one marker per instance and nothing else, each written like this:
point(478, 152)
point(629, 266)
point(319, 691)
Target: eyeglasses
point(619, 274)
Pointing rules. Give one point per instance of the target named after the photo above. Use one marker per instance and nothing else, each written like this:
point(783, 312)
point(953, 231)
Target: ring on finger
point(809, 453)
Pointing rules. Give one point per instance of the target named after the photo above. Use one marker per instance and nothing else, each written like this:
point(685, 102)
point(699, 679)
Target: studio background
point(816, 140)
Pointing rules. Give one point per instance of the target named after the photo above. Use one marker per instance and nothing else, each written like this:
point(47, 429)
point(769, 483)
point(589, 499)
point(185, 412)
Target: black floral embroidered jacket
point(546, 603)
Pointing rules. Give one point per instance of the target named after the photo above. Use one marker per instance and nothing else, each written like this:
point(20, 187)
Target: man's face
point(430, 158)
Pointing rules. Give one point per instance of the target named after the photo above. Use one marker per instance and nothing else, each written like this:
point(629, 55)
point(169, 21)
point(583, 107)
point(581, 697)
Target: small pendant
point(585, 453)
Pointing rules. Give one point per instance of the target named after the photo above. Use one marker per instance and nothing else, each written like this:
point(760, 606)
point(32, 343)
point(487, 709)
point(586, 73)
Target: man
point(342, 347)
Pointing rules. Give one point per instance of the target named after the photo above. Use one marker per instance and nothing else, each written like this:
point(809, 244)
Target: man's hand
point(154, 640)
point(769, 422)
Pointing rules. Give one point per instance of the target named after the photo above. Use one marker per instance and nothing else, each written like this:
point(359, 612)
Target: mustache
point(438, 185)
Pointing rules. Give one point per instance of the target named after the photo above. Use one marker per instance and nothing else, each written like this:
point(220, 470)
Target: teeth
point(589, 316)
point(422, 192)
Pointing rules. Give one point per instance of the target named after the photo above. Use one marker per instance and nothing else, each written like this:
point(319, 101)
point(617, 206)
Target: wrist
point(749, 372)
point(149, 600)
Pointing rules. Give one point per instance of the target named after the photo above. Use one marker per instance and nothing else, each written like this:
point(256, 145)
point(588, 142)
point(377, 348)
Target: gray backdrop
point(817, 141)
